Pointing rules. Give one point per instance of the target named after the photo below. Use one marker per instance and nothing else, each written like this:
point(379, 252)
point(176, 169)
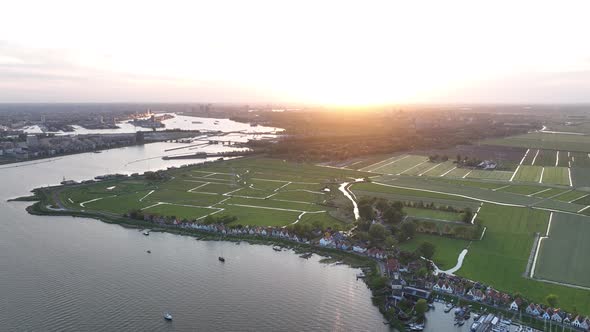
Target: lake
point(78, 274)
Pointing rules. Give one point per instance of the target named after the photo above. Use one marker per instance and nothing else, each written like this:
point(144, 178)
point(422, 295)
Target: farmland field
point(402, 165)
point(492, 175)
point(457, 173)
point(256, 191)
point(545, 158)
point(563, 256)
point(441, 169)
point(556, 175)
point(500, 259)
point(431, 213)
point(528, 174)
point(537, 140)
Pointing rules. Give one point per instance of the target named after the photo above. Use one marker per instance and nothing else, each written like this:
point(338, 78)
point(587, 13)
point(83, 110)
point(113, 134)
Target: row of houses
point(557, 315)
point(474, 291)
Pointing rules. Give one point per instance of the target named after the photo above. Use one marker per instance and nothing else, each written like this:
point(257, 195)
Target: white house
point(578, 322)
point(514, 306)
point(556, 317)
point(533, 310)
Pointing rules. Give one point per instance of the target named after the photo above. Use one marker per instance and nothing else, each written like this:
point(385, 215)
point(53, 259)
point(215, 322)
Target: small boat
point(149, 251)
point(416, 327)
point(167, 316)
point(460, 323)
point(448, 307)
point(431, 306)
point(221, 259)
point(306, 256)
point(146, 233)
point(275, 248)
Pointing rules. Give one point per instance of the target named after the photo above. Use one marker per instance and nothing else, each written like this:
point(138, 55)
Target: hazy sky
point(331, 52)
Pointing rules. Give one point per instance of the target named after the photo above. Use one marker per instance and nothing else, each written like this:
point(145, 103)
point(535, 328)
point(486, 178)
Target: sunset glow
point(332, 52)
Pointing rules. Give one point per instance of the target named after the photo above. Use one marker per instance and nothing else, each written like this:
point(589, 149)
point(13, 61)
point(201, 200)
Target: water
point(77, 274)
point(178, 122)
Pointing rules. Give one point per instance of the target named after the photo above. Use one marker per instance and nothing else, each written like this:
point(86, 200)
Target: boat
point(149, 251)
point(431, 306)
point(306, 256)
point(275, 248)
point(146, 233)
point(448, 307)
point(167, 316)
point(460, 323)
point(221, 259)
point(197, 122)
point(416, 327)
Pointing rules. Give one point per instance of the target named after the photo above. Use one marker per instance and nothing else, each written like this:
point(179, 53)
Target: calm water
point(76, 274)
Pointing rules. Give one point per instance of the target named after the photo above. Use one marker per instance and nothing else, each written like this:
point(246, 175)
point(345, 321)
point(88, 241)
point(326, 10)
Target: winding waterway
point(78, 274)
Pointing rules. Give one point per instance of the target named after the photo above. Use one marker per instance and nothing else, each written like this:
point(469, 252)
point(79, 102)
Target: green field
point(402, 165)
point(528, 174)
point(537, 140)
point(457, 173)
point(432, 214)
point(563, 256)
point(491, 175)
point(256, 191)
point(446, 250)
point(556, 175)
point(440, 169)
point(500, 259)
point(546, 158)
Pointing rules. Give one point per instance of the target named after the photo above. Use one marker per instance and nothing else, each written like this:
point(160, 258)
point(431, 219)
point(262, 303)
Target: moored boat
point(221, 259)
point(167, 316)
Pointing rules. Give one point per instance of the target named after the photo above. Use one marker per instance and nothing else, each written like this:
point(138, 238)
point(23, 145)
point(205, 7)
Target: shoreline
point(329, 255)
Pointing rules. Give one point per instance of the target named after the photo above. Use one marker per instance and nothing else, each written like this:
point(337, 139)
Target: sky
point(344, 53)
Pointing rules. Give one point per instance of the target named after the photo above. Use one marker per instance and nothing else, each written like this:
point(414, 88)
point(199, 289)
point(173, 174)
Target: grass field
point(546, 158)
point(500, 259)
point(402, 165)
point(563, 256)
point(537, 140)
point(491, 175)
point(433, 214)
point(256, 191)
point(528, 174)
point(521, 189)
point(446, 249)
point(556, 175)
point(441, 169)
point(457, 173)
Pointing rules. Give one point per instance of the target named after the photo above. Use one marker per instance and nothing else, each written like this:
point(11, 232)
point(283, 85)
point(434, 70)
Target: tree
point(427, 249)
point(366, 211)
point(390, 241)
point(377, 233)
point(467, 215)
point(392, 216)
point(421, 307)
point(552, 300)
point(408, 230)
point(381, 204)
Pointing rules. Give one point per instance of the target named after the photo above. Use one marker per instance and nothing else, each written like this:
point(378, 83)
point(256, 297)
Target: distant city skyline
point(330, 52)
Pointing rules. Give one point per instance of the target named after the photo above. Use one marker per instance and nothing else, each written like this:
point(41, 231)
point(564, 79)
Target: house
point(546, 315)
point(444, 287)
point(580, 322)
point(392, 266)
point(515, 305)
point(556, 317)
point(533, 310)
point(476, 294)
